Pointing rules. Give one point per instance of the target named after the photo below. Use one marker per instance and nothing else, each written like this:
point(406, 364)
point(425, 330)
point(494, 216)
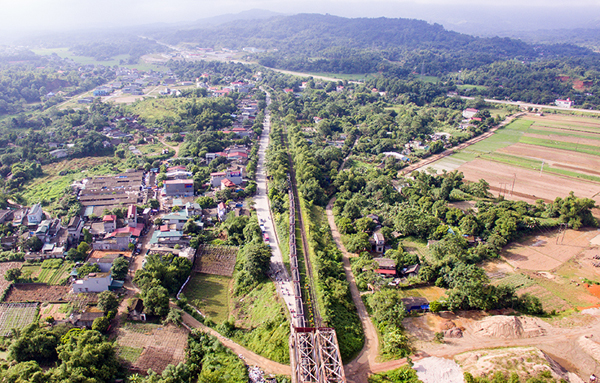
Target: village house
point(177, 219)
point(385, 267)
point(74, 228)
point(5, 216)
point(93, 283)
point(110, 223)
point(104, 259)
point(378, 242)
point(183, 188)
point(564, 103)
point(34, 216)
point(86, 319)
point(469, 113)
point(116, 241)
point(59, 153)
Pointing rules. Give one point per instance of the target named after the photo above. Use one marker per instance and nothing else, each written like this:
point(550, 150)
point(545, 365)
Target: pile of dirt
point(437, 370)
point(530, 361)
point(508, 327)
point(590, 346)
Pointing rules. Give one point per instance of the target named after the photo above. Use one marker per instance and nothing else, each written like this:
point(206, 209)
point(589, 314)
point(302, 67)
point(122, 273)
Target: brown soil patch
point(549, 301)
point(529, 185)
point(574, 140)
point(37, 292)
point(547, 252)
point(53, 310)
point(163, 345)
point(157, 359)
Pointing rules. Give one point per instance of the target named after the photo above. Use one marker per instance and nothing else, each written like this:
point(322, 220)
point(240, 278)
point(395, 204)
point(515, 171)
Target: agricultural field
point(150, 346)
point(58, 311)
point(216, 260)
point(15, 316)
point(535, 157)
point(50, 271)
point(209, 294)
point(36, 292)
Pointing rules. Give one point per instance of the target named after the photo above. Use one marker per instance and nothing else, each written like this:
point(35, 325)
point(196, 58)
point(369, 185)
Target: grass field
point(156, 109)
point(51, 186)
point(210, 295)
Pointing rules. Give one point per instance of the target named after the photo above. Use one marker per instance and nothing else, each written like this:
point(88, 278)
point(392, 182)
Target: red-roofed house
point(227, 184)
point(236, 156)
point(110, 223)
point(469, 112)
point(386, 273)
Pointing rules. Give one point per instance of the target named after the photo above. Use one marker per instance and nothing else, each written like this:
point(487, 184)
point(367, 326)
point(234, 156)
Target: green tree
point(101, 324)
point(120, 268)
point(156, 301)
point(107, 301)
point(154, 204)
point(12, 274)
point(86, 357)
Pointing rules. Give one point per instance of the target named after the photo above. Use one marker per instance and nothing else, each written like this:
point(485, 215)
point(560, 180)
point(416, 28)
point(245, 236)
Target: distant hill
point(332, 43)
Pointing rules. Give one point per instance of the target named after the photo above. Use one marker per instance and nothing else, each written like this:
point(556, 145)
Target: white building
point(564, 103)
point(34, 216)
point(233, 176)
point(93, 283)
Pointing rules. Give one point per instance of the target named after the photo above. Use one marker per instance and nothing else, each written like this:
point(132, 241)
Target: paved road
point(279, 273)
point(528, 105)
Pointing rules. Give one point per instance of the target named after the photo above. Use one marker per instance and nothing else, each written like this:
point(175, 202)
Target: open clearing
point(551, 266)
point(209, 294)
point(4, 267)
point(151, 346)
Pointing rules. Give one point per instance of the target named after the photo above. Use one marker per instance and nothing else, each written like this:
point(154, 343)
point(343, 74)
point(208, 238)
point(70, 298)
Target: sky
point(38, 15)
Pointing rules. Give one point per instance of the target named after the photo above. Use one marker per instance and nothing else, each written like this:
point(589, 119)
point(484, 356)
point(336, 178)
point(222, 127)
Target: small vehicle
point(266, 237)
point(262, 227)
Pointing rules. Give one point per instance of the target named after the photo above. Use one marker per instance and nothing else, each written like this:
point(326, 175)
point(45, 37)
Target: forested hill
point(314, 33)
point(329, 43)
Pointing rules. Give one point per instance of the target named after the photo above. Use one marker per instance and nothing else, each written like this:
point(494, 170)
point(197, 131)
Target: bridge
point(314, 351)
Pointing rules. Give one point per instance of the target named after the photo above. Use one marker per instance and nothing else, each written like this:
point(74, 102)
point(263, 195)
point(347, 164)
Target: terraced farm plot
point(16, 316)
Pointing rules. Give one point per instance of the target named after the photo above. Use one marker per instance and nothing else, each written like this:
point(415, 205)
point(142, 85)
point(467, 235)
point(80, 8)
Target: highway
point(528, 105)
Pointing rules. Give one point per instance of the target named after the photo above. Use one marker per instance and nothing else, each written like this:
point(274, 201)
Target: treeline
point(133, 47)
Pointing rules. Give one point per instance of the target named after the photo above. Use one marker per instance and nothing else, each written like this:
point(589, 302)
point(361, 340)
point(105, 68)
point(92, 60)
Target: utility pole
point(542, 168)
point(513, 185)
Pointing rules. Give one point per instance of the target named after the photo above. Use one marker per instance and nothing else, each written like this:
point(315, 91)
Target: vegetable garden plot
point(217, 260)
point(16, 316)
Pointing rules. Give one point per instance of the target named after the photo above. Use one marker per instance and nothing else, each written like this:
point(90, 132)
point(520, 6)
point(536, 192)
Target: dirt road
point(175, 148)
point(359, 368)
point(249, 357)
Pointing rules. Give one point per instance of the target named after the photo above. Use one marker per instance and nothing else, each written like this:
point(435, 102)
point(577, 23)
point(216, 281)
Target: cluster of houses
point(132, 81)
